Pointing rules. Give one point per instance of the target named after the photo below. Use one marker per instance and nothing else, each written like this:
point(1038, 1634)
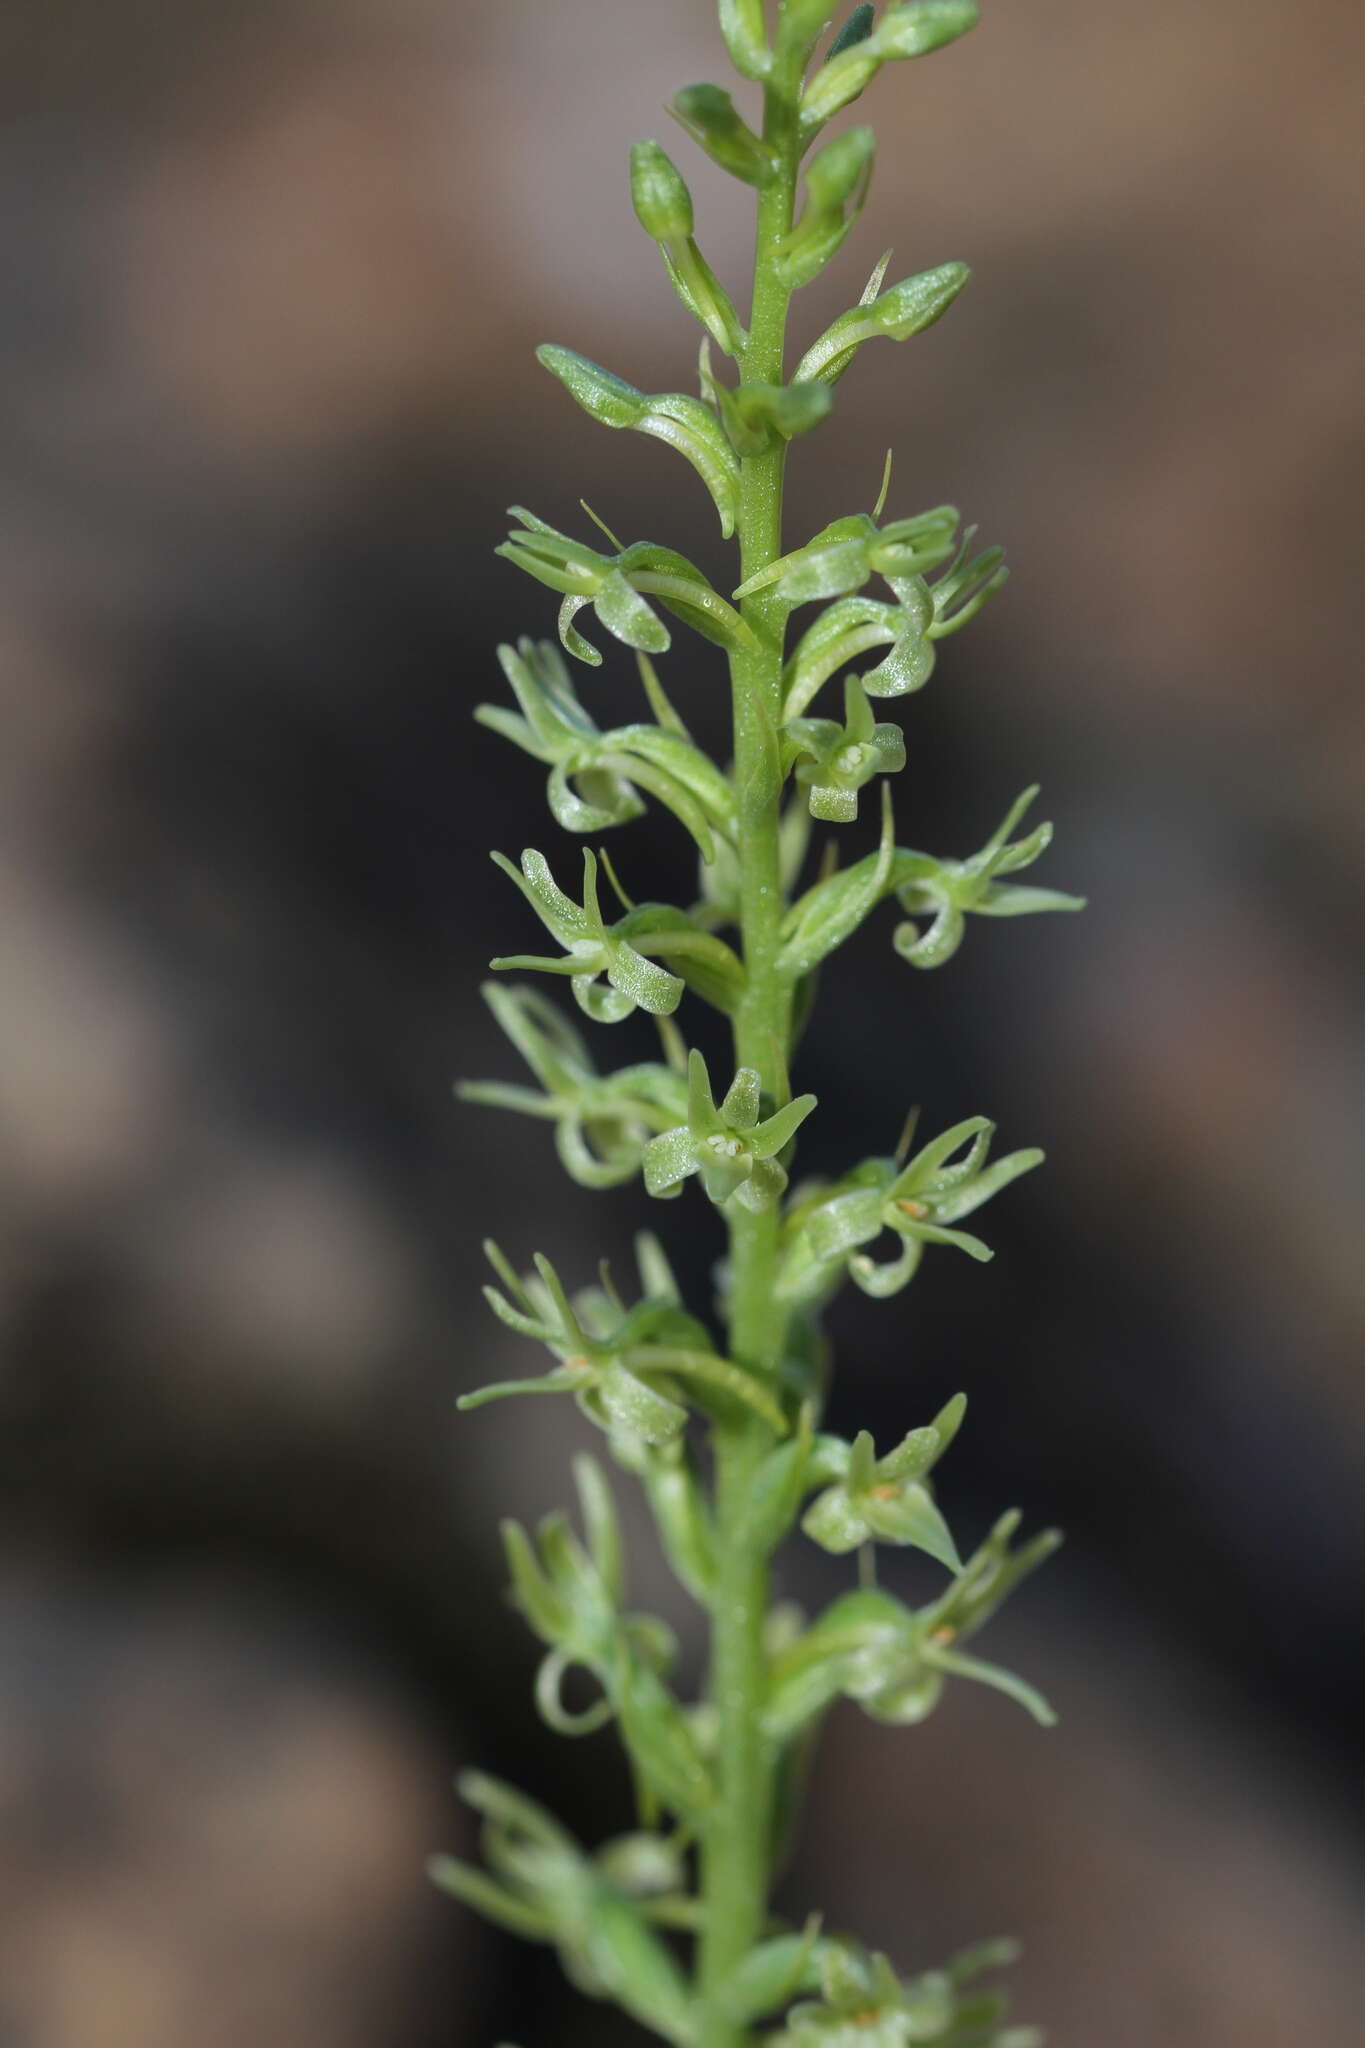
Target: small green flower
point(615, 587)
point(950, 890)
point(602, 1122)
point(916, 1203)
point(540, 1885)
point(596, 776)
point(894, 1660)
point(833, 761)
point(884, 1499)
point(864, 2003)
point(849, 551)
point(734, 1152)
point(626, 1368)
point(841, 560)
point(591, 946)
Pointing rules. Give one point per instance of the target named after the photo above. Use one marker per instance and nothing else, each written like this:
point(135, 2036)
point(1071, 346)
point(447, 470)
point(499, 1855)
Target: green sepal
point(906, 308)
point(682, 422)
point(711, 118)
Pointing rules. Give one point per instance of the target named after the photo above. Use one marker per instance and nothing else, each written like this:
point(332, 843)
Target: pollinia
point(721, 1426)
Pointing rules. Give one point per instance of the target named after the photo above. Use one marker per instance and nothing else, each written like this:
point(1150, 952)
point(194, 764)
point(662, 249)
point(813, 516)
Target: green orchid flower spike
point(917, 1203)
point(950, 891)
point(730, 1146)
point(719, 1419)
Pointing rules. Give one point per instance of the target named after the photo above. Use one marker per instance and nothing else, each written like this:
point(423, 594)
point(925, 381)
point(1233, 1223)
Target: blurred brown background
point(273, 274)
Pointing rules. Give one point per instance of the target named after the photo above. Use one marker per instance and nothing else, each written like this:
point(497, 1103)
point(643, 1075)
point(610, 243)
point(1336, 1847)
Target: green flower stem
point(736, 1858)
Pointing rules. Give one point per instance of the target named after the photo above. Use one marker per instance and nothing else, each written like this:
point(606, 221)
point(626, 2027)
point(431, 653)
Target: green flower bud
point(837, 83)
point(913, 30)
point(906, 309)
point(663, 204)
point(922, 26)
point(746, 36)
